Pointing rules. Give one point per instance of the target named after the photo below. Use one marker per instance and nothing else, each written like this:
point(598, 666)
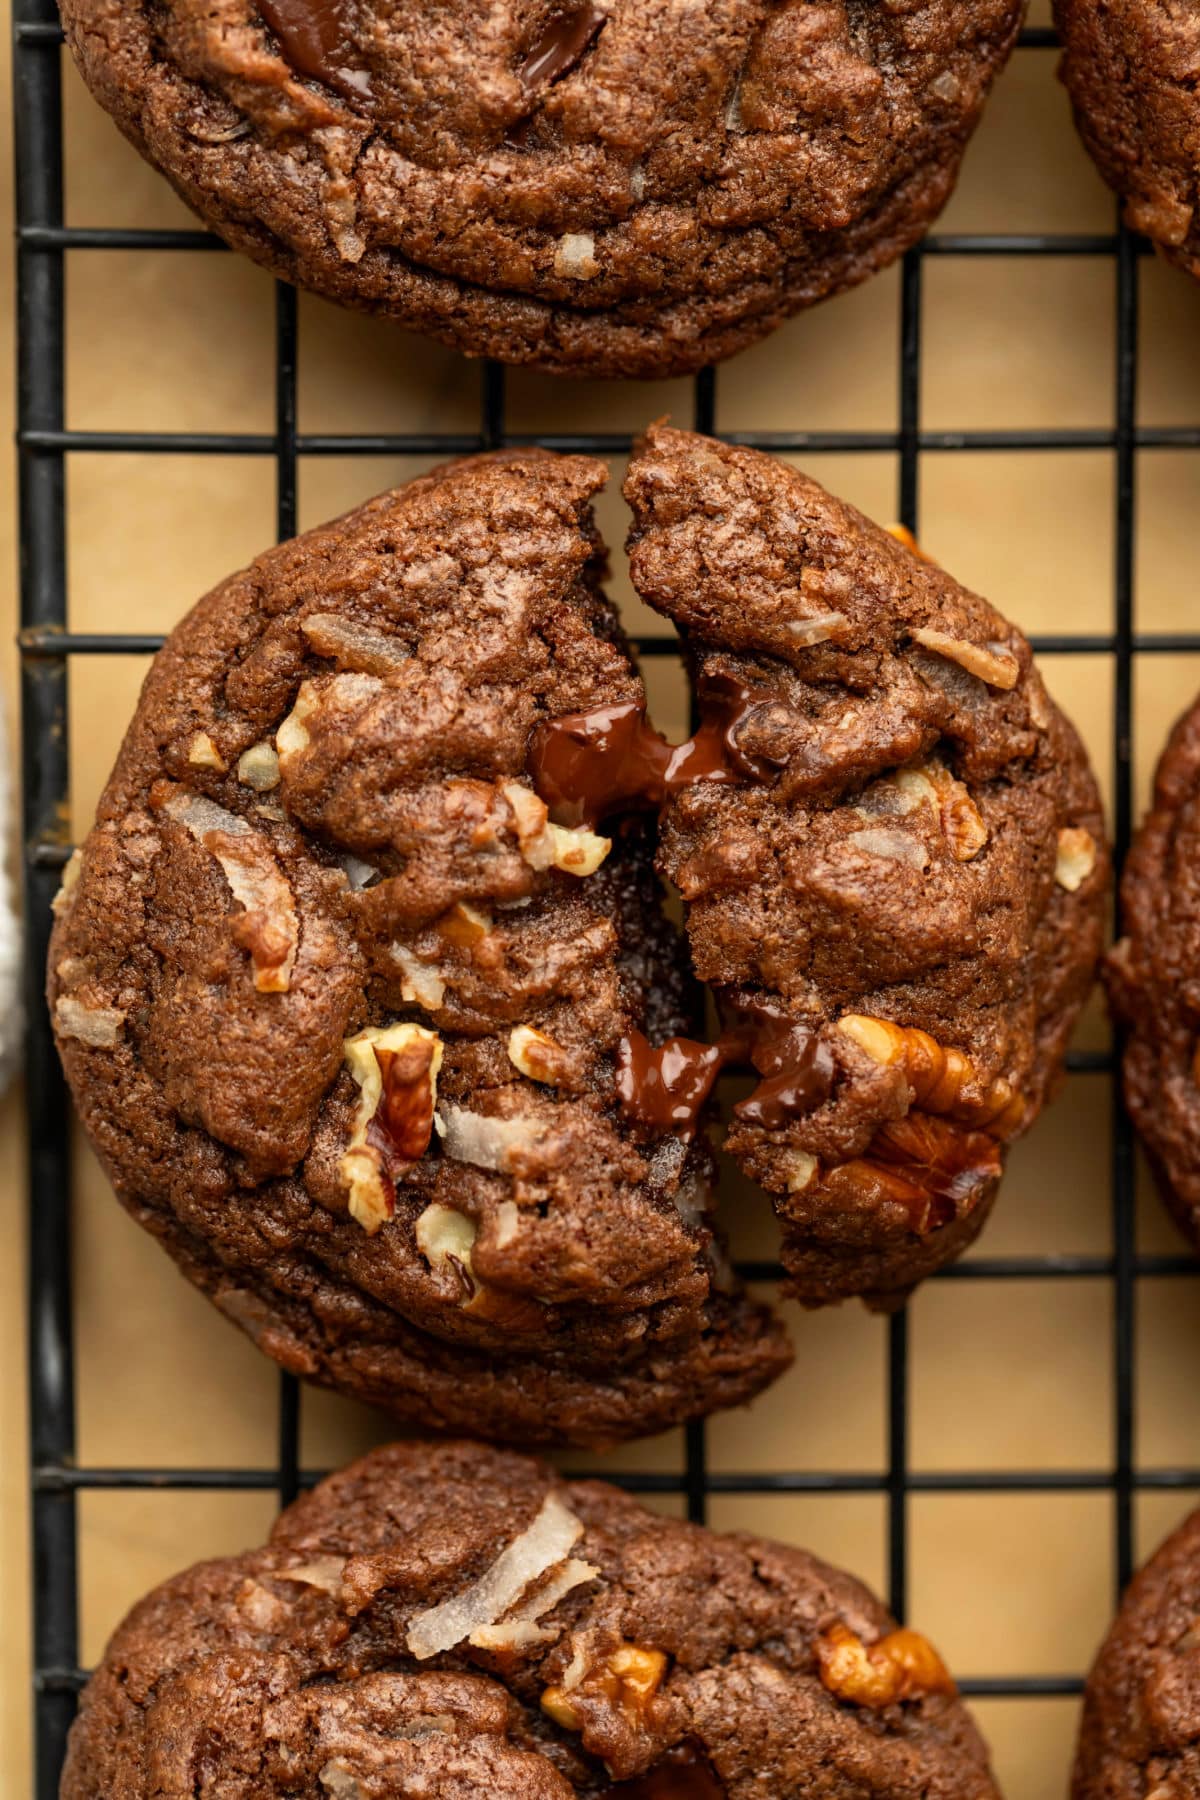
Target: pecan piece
point(936, 1073)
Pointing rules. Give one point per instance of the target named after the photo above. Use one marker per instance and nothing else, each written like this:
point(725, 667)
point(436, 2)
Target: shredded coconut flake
point(488, 1143)
point(354, 646)
point(271, 928)
point(893, 846)
point(545, 1543)
point(324, 1572)
point(521, 1629)
point(817, 628)
point(991, 663)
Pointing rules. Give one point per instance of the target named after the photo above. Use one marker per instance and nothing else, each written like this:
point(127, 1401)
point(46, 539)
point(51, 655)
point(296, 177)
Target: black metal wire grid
point(47, 645)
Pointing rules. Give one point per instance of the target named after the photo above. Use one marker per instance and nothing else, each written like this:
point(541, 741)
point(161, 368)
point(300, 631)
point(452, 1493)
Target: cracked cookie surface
point(451, 1621)
point(906, 898)
point(1130, 68)
point(340, 1005)
point(1140, 1733)
point(1151, 976)
point(605, 187)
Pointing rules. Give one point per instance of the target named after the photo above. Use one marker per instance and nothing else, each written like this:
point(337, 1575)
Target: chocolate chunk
point(589, 765)
point(562, 42)
point(665, 1089)
point(314, 37)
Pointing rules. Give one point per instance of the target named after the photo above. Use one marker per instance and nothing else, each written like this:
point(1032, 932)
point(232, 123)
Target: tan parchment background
point(1003, 1374)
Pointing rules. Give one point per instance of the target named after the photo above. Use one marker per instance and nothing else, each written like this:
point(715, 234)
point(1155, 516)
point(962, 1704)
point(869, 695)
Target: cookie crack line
point(418, 1058)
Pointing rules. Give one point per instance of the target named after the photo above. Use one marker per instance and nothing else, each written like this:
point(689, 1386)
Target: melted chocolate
point(314, 37)
point(563, 41)
point(682, 1775)
point(665, 1089)
point(797, 1075)
point(588, 765)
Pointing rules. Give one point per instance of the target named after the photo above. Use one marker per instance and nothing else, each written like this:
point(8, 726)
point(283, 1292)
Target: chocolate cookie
point(1140, 1734)
point(598, 187)
point(1130, 68)
point(453, 1621)
point(1151, 976)
point(889, 843)
point(340, 1006)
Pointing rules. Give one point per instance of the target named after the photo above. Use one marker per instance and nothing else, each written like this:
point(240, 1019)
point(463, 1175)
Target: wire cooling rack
point(47, 647)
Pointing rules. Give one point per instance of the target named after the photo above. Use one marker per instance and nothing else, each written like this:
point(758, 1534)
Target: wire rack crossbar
point(48, 645)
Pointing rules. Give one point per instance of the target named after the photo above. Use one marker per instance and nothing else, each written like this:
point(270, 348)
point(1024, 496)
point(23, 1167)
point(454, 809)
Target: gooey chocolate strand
point(315, 38)
point(682, 1775)
point(587, 765)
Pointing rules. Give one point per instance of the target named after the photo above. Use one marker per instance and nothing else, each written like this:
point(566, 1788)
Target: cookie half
point(1151, 980)
point(1130, 69)
point(601, 187)
point(890, 848)
point(1140, 1734)
point(451, 1621)
point(340, 1005)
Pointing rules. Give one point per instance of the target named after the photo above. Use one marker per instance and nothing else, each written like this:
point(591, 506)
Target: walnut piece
point(258, 768)
point(901, 1666)
point(991, 663)
point(444, 1238)
point(575, 256)
point(396, 1068)
point(628, 1679)
point(931, 783)
point(537, 1056)
point(1075, 858)
point(575, 850)
point(293, 736)
point(203, 753)
point(98, 1027)
point(420, 985)
point(936, 1073)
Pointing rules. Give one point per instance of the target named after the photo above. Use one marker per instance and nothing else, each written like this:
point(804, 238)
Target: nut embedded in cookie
point(342, 1004)
point(480, 1625)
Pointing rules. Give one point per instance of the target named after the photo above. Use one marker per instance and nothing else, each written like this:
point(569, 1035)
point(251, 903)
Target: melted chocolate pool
point(588, 765)
point(682, 1775)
